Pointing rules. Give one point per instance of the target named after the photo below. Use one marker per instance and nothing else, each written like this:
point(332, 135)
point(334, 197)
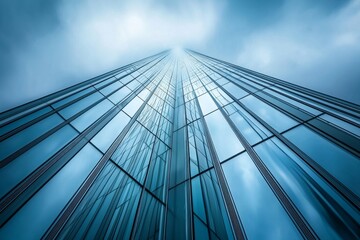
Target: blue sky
point(48, 45)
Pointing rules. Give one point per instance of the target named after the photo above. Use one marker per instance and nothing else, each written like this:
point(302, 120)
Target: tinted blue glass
point(156, 177)
point(108, 134)
point(261, 213)
point(133, 85)
point(144, 94)
point(221, 97)
point(209, 206)
point(198, 201)
point(295, 103)
point(200, 158)
point(119, 95)
point(150, 218)
point(72, 97)
point(80, 105)
point(108, 209)
point(126, 79)
point(90, 116)
point(200, 229)
point(103, 83)
point(276, 119)
point(311, 195)
point(342, 124)
point(134, 152)
point(19, 168)
point(177, 226)
point(133, 106)
point(249, 127)
point(112, 87)
point(178, 165)
point(341, 164)
point(45, 205)
point(19, 140)
point(207, 104)
point(225, 141)
point(234, 90)
point(222, 81)
point(23, 120)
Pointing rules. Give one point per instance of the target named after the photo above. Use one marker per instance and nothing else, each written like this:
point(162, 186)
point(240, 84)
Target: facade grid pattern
point(180, 145)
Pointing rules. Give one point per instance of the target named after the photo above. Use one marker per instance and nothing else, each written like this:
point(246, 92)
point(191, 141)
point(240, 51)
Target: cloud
point(309, 47)
point(91, 38)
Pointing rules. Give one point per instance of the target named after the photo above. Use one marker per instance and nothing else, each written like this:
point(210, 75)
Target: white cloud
point(307, 47)
point(93, 38)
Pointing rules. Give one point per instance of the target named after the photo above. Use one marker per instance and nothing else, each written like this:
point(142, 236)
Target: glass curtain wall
point(180, 145)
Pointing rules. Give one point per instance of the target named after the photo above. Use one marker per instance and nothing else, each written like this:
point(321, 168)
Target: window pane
point(342, 124)
point(72, 97)
point(144, 94)
point(276, 119)
point(45, 205)
point(133, 85)
point(134, 152)
point(103, 83)
point(249, 127)
point(23, 120)
point(260, 211)
point(220, 96)
point(109, 133)
point(338, 162)
point(207, 104)
point(133, 106)
point(90, 116)
point(112, 87)
point(200, 158)
point(311, 194)
point(234, 90)
point(80, 105)
point(126, 79)
point(177, 226)
point(19, 168)
point(119, 95)
point(209, 205)
point(225, 141)
point(295, 103)
point(178, 164)
point(19, 140)
point(200, 230)
point(108, 209)
point(150, 218)
point(156, 177)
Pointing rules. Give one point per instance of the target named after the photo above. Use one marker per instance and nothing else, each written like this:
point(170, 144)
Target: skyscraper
point(180, 145)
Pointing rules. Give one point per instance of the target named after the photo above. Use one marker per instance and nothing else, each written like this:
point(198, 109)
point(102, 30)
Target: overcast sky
point(48, 45)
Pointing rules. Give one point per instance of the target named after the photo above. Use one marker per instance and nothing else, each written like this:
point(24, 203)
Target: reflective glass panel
point(80, 105)
point(23, 120)
point(90, 116)
point(276, 119)
point(19, 140)
point(108, 134)
point(133, 106)
point(45, 205)
point(342, 124)
point(234, 90)
point(119, 95)
point(19, 168)
point(225, 141)
point(341, 164)
point(261, 213)
point(318, 203)
point(108, 209)
point(207, 104)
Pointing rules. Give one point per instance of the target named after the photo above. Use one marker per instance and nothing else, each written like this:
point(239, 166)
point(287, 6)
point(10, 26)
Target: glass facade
point(181, 146)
